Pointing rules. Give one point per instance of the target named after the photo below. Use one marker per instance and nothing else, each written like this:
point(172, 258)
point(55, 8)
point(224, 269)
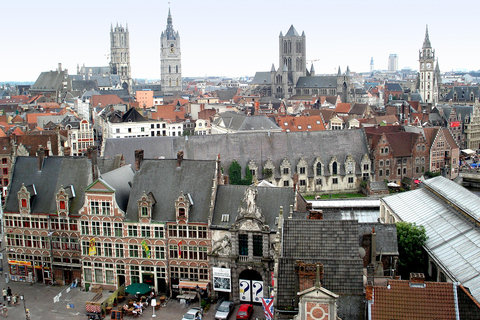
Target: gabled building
point(52, 85)
point(41, 218)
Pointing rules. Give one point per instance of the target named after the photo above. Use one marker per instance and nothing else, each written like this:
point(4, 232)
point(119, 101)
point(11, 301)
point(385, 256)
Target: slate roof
point(386, 236)
point(334, 244)
point(56, 172)
point(269, 199)
point(317, 82)
point(50, 81)
point(442, 207)
point(241, 122)
point(393, 87)
point(292, 32)
point(133, 115)
point(166, 181)
point(463, 93)
point(262, 78)
point(400, 301)
point(244, 147)
point(120, 179)
point(84, 85)
point(358, 109)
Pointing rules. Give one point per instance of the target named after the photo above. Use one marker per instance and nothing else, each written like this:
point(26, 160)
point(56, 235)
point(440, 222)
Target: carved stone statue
point(222, 246)
point(249, 199)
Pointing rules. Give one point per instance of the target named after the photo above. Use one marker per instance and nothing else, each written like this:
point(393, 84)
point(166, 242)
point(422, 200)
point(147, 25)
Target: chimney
point(417, 278)
point(66, 151)
point(202, 106)
point(138, 159)
point(93, 159)
point(59, 67)
point(373, 249)
point(179, 158)
point(40, 157)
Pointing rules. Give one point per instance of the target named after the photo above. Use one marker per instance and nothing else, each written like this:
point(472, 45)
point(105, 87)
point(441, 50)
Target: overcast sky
point(235, 38)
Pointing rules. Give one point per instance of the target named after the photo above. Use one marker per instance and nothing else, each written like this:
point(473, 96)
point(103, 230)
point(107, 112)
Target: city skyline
point(227, 39)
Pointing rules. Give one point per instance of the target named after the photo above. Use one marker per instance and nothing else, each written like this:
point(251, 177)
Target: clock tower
point(170, 59)
point(428, 84)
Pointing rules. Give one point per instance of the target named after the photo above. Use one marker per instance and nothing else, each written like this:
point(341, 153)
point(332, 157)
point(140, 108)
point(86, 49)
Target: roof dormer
point(182, 207)
point(25, 194)
point(62, 200)
point(145, 207)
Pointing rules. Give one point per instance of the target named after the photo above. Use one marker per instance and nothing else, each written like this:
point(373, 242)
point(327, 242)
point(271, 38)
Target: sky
point(234, 38)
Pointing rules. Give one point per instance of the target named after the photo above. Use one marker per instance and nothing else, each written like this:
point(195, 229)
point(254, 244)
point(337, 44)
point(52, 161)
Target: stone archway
point(250, 286)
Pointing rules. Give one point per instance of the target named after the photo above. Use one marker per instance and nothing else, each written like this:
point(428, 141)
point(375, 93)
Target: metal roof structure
point(451, 218)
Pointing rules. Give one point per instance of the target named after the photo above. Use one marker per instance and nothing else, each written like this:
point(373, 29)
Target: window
point(106, 208)
point(302, 170)
point(202, 232)
point(108, 249)
point(335, 181)
point(172, 231)
point(133, 251)
point(173, 252)
point(380, 173)
point(192, 231)
point(132, 231)
point(87, 273)
point(365, 167)
point(303, 182)
point(107, 229)
point(380, 163)
point(118, 229)
point(243, 245)
point(319, 169)
point(84, 227)
point(119, 250)
point(182, 231)
point(319, 182)
point(404, 171)
point(285, 170)
point(257, 245)
point(286, 183)
point(117, 130)
point(158, 232)
point(94, 207)
point(350, 179)
point(399, 171)
point(387, 172)
point(145, 231)
point(159, 252)
point(95, 228)
point(4, 160)
point(5, 170)
point(334, 168)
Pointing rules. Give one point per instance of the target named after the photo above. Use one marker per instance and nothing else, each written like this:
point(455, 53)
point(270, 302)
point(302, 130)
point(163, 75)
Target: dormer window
point(145, 206)
point(24, 195)
point(182, 207)
point(62, 205)
point(24, 203)
point(181, 212)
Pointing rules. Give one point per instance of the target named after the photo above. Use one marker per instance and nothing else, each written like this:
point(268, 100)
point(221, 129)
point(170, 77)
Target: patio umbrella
point(140, 288)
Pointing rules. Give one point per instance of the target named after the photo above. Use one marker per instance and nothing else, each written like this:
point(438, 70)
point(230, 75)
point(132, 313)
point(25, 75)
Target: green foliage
point(411, 239)
point(235, 174)
point(430, 174)
point(267, 173)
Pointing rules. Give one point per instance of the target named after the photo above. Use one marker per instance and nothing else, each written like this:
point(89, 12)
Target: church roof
point(262, 77)
point(240, 122)
point(292, 32)
point(317, 82)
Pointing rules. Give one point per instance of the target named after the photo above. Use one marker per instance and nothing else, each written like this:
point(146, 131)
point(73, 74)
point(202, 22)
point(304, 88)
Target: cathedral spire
point(426, 42)
point(339, 71)
point(169, 32)
point(273, 68)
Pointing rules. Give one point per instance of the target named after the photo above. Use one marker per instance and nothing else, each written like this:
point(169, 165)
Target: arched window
point(169, 69)
point(334, 168)
point(319, 169)
point(176, 69)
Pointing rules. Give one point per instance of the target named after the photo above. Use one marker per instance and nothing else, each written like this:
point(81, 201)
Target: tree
point(248, 177)
point(235, 172)
point(411, 239)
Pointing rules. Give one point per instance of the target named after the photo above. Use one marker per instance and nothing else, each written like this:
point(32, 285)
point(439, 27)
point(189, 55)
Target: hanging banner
point(245, 290)
point(257, 291)
point(146, 249)
point(92, 249)
point(268, 308)
point(180, 249)
point(222, 280)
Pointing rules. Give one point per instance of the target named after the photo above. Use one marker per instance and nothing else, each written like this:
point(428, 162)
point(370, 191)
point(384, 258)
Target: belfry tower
point(120, 54)
point(429, 74)
point(170, 58)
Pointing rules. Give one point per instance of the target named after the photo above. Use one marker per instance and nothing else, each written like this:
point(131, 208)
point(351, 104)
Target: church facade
point(292, 77)
point(170, 58)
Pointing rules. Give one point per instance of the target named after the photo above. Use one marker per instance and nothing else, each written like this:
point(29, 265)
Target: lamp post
point(153, 303)
point(27, 314)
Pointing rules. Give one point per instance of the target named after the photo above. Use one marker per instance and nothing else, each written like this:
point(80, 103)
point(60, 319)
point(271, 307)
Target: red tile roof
point(400, 301)
point(342, 107)
point(301, 123)
point(105, 100)
point(167, 112)
point(32, 117)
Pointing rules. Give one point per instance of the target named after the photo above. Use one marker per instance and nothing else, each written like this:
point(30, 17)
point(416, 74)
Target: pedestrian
point(9, 300)
point(27, 314)
point(9, 291)
point(14, 300)
point(5, 310)
point(4, 292)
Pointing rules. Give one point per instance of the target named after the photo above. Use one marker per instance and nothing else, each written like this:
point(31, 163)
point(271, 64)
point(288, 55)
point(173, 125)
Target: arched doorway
point(250, 286)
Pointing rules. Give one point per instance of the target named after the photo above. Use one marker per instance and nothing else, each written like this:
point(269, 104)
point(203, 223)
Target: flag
point(268, 308)
point(454, 124)
point(146, 248)
point(180, 249)
point(92, 249)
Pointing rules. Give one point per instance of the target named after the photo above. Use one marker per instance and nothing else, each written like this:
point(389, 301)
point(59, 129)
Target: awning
point(193, 285)
point(393, 185)
point(468, 151)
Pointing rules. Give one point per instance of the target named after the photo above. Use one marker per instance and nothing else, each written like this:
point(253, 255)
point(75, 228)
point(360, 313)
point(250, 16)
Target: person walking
point(4, 292)
point(9, 291)
point(9, 301)
point(5, 310)
point(15, 300)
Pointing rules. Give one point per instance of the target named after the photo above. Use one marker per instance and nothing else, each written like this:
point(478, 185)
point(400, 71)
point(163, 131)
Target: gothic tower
point(170, 58)
point(292, 59)
point(120, 54)
point(428, 82)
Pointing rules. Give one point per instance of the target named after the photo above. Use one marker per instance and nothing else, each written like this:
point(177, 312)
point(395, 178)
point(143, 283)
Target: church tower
point(170, 58)
point(120, 54)
point(292, 59)
point(428, 82)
